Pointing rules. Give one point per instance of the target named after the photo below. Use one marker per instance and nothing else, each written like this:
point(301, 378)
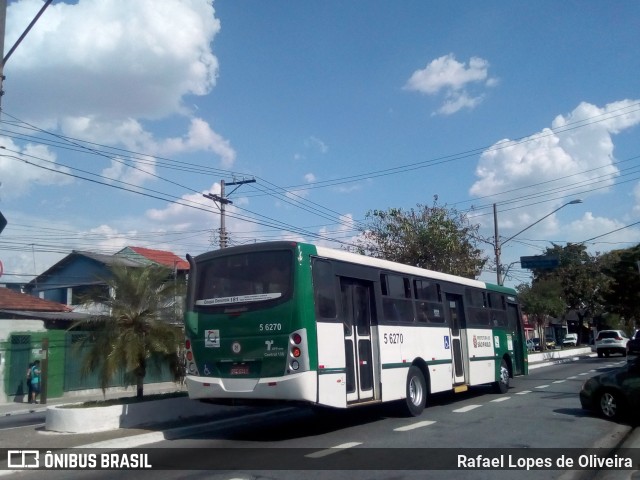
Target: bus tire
point(502, 385)
point(416, 398)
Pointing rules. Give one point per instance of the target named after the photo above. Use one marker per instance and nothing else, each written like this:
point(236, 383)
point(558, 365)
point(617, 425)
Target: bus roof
point(357, 258)
point(397, 267)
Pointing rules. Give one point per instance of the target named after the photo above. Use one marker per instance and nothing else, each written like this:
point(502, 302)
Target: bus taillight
point(298, 352)
point(189, 356)
point(187, 344)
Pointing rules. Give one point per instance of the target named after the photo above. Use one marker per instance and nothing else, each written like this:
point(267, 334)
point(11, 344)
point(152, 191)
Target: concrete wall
point(99, 419)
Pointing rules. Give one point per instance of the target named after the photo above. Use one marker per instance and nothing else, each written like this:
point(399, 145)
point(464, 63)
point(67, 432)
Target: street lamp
point(498, 244)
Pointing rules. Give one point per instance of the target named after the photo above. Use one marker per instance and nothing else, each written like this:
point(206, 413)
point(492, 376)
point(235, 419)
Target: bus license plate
point(240, 370)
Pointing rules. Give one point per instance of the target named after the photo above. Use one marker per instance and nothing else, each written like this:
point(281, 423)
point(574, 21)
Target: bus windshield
point(244, 278)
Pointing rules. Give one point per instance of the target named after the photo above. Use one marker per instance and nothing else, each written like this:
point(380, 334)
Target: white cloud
point(457, 101)
point(200, 138)
point(205, 216)
point(180, 212)
point(316, 143)
point(636, 196)
point(446, 75)
point(345, 231)
point(590, 226)
point(561, 162)
point(310, 178)
point(26, 167)
point(98, 69)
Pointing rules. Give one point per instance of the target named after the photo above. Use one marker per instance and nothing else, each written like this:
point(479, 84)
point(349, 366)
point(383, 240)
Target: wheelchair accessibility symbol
point(447, 342)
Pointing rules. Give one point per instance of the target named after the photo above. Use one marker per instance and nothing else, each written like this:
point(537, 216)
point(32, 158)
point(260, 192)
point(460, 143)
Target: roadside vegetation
point(601, 290)
point(133, 327)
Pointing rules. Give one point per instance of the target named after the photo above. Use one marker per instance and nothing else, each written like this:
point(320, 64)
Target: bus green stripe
point(326, 371)
point(481, 359)
point(387, 366)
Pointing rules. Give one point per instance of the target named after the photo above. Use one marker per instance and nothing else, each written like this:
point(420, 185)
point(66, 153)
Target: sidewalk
point(15, 408)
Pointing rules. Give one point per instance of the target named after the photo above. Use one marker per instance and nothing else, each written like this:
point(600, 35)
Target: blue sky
point(119, 115)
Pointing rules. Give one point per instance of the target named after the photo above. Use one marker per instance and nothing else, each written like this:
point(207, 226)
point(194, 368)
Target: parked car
point(570, 340)
point(611, 341)
point(549, 342)
point(531, 347)
point(615, 394)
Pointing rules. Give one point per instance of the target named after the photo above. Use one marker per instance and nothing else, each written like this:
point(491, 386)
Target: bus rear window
point(244, 278)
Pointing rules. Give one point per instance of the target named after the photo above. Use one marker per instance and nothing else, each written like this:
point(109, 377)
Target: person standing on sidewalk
point(35, 381)
point(29, 387)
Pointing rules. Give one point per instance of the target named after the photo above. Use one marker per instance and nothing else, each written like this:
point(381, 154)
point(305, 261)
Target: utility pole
point(3, 21)
point(3, 24)
point(496, 244)
point(223, 201)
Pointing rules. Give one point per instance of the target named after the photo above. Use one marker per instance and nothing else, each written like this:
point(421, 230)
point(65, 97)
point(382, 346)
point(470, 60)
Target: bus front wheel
point(416, 398)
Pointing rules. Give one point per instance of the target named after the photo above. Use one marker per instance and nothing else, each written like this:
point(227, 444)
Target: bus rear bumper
point(297, 387)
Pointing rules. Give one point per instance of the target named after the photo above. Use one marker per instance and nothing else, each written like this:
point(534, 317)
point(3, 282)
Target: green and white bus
point(290, 321)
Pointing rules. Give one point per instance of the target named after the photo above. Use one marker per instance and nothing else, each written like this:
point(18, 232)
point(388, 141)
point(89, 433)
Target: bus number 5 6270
point(393, 338)
point(270, 327)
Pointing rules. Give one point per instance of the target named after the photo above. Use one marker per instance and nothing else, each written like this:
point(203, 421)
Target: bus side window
point(324, 289)
point(397, 303)
point(428, 301)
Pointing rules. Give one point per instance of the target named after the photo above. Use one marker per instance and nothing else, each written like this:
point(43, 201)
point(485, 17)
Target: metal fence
point(19, 352)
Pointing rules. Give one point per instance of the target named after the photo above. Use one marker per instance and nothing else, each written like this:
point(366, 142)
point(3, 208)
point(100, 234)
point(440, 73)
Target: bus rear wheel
point(416, 395)
point(502, 385)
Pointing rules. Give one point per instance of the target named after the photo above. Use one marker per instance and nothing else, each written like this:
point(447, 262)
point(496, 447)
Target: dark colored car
point(615, 394)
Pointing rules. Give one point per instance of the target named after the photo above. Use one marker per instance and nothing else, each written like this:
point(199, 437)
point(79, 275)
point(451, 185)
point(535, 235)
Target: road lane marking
point(572, 377)
point(468, 408)
point(585, 373)
point(559, 381)
point(413, 426)
point(332, 450)
point(542, 386)
point(524, 392)
point(501, 399)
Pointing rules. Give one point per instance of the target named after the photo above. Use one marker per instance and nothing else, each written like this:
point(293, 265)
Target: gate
point(19, 355)
point(157, 371)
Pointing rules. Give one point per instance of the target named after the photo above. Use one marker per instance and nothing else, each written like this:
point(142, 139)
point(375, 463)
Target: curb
point(559, 361)
point(180, 432)
point(61, 418)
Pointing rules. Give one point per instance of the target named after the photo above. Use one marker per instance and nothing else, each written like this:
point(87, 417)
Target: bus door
point(357, 312)
point(515, 329)
point(457, 325)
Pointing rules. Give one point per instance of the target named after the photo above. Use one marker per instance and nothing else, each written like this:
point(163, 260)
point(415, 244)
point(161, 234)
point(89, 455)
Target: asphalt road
point(540, 411)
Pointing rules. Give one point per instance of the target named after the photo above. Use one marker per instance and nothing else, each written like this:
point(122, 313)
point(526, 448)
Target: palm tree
point(129, 331)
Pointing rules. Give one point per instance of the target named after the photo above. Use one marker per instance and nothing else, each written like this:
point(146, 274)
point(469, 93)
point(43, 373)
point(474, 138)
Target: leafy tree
point(540, 301)
point(129, 332)
point(436, 237)
point(623, 297)
point(582, 281)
